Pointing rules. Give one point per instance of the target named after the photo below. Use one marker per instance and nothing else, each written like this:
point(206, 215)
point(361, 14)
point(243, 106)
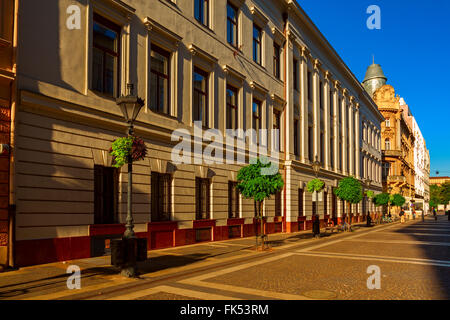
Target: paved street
point(414, 260)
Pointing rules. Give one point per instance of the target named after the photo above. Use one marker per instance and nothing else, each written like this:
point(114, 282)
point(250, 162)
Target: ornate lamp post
point(316, 167)
point(130, 106)
point(367, 182)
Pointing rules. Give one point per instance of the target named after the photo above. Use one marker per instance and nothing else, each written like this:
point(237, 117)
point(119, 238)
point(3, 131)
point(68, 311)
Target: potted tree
point(349, 190)
point(254, 183)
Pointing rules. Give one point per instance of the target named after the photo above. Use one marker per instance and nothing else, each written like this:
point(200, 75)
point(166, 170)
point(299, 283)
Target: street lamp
point(316, 167)
point(130, 106)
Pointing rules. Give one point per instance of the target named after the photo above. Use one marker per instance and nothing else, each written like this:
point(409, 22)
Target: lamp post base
point(129, 272)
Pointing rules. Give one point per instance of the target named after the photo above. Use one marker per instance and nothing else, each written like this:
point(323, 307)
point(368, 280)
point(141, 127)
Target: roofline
point(315, 30)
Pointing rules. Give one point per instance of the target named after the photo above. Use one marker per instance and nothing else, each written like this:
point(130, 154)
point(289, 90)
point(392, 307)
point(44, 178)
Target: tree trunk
point(262, 225)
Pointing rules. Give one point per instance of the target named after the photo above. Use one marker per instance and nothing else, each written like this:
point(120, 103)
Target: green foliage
point(398, 200)
point(252, 184)
point(440, 194)
point(123, 147)
point(349, 190)
point(315, 185)
point(370, 194)
point(381, 199)
point(120, 150)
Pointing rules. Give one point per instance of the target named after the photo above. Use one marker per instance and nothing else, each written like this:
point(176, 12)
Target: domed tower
point(374, 79)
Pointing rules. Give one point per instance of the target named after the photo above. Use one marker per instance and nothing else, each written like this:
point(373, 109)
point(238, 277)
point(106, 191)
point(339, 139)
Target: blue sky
point(413, 48)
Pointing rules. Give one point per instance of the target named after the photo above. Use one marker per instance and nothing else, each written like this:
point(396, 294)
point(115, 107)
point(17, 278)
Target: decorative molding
point(278, 36)
point(278, 101)
point(229, 71)
point(256, 86)
point(196, 51)
point(258, 17)
point(157, 29)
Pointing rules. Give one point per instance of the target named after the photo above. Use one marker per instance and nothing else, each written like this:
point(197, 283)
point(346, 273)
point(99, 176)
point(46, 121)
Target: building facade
point(236, 64)
point(439, 180)
point(406, 160)
point(7, 106)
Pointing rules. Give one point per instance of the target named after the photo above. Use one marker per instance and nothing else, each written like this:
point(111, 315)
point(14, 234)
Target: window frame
point(199, 184)
point(230, 107)
point(277, 60)
point(204, 15)
point(205, 121)
point(157, 188)
point(108, 24)
point(235, 24)
point(236, 206)
point(257, 118)
point(100, 174)
point(159, 75)
point(296, 75)
point(276, 115)
point(258, 42)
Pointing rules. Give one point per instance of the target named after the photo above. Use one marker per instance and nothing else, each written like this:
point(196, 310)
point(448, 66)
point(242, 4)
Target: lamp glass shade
point(130, 107)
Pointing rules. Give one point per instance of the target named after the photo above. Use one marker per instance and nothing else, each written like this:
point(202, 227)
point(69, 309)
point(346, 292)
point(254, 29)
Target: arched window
point(387, 144)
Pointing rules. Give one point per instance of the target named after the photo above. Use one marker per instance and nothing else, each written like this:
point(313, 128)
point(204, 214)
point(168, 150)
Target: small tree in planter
point(254, 184)
point(398, 200)
point(350, 191)
point(382, 199)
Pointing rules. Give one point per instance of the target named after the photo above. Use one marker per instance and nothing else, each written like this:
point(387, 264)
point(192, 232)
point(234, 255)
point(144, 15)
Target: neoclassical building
point(236, 64)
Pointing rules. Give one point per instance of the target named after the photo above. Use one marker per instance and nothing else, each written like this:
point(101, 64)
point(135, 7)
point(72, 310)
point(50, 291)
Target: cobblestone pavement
point(413, 259)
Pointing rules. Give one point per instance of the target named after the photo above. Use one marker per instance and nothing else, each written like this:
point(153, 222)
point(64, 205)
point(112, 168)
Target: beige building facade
point(236, 64)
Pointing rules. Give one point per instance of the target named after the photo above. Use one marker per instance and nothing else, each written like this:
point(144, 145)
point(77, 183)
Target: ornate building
point(397, 139)
point(236, 64)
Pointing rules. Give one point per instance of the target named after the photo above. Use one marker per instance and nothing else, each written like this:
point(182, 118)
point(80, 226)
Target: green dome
point(374, 71)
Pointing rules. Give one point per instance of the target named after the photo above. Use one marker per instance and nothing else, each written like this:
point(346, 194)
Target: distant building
point(439, 180)
point(397, 139)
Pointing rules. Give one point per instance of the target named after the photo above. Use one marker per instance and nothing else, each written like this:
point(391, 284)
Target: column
point(336, 125)
point(351, 148)
point(304, 105)
point(357, 142)
point(316, 110)
point(327, 124)
point(344, 135)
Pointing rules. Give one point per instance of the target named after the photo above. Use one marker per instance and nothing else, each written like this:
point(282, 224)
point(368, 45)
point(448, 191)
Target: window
point(322, 148)
point(257, 50)
point(202, 196)
point(295, 66)
point(105, 195)
point(161, 196)
point(106, 57)
point(201, 11)
point(387, 144)
point(232, 25)
point(276, 60)
point(160, 80)
point(277, 127)
point(310, 143)
point(278, 204)
point(388, 123)
point(200, 107)
point(256, 112)
point(332, 151)
point(232, 108)
point(6, 19)
point(310, 88)
point(233, 200)
point(321, 96)
point(325, 203)
point(331, 106)
point(296, 146)
point(300, 203)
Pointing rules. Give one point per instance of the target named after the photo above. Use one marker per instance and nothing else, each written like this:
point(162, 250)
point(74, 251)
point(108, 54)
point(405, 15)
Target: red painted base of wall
point(159, 235)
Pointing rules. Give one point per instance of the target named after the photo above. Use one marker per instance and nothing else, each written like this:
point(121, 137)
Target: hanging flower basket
point(122, 147)
point(315, 185)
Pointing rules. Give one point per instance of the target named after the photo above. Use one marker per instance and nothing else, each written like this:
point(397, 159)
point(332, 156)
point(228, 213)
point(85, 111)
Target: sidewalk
point(50, 280)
